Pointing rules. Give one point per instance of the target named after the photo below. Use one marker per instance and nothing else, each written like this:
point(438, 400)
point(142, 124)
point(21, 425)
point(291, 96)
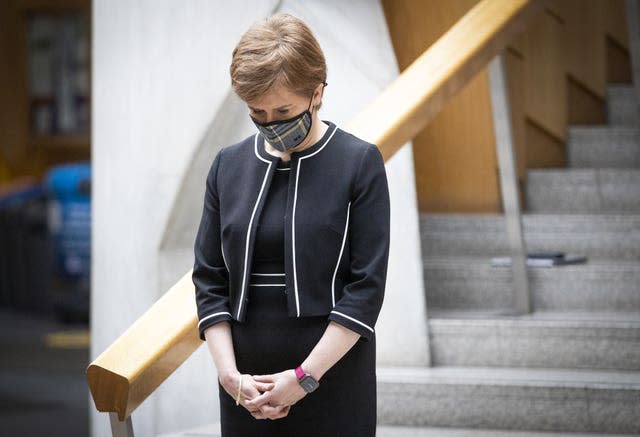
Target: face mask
point(286, 134)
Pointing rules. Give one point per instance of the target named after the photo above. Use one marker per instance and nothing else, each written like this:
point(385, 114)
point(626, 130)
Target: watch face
point(308, 383)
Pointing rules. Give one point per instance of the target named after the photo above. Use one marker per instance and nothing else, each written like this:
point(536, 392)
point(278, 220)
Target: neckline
point(282, 164)
point(262, 152)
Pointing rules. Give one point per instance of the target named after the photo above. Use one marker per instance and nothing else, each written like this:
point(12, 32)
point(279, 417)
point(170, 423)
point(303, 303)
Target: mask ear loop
point(309, 107)
point(324, 85)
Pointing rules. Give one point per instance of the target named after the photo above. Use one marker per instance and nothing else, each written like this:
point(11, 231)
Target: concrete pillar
point(160, 76)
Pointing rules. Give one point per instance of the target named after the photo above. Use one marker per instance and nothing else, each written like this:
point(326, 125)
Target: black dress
point(270, 341)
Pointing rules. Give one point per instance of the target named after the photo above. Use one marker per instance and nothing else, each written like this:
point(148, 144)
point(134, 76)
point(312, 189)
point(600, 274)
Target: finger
point(275, 416)
point(258, 401)
point(250, 391)
point(283, 412)
point(268, 411)
point(263, 378)
point(256, 413)
point(263, 386)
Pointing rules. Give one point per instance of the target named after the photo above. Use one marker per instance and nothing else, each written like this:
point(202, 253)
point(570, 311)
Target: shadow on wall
point(230, 125)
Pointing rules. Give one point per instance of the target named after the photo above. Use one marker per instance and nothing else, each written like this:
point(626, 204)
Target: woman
point(291, 253)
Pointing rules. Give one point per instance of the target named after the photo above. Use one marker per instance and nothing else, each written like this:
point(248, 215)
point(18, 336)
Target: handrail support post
point(120, 428)
point(632, 11)
point(521, 302)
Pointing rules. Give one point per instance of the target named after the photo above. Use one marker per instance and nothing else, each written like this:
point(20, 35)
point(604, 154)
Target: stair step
point(597, 236)
point(603, 147)
point(551, 340)
point(622, 105)
point(414, 431)
point(467, 283)
point(518, 399)
point(583, 191)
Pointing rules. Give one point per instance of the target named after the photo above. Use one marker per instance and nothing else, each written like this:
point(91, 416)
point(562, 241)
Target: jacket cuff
point(211, 320)
point(349, 322)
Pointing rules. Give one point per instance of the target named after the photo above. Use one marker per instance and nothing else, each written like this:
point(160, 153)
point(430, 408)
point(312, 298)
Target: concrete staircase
point(573, 365)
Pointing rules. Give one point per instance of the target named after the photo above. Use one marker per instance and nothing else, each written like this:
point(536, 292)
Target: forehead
point(278, 97)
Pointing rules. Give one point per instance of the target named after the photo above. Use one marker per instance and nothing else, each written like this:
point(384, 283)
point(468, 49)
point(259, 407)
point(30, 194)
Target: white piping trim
point(268, 274)
point(255, 150)
point(335, 272)
point(353, 320)
point(267, 285)
point(293, 242)
point(223, 257)
point(335, 128)
point(246, 249)
point(283, 169)
point(212, 315)
point(293, 219)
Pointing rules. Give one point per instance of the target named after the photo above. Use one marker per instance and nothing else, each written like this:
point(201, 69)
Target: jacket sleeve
point(368, 232)
point(210, 274)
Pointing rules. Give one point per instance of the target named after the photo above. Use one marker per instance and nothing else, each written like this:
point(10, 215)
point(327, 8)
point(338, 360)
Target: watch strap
point(299, 373)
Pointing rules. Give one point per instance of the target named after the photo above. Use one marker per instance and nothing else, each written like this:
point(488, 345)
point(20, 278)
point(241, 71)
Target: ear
point(318, 93)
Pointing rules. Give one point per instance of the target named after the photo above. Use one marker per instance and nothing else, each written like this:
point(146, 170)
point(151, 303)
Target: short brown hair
point(279, 50)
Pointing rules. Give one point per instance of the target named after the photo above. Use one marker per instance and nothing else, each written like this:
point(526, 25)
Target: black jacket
point(336, 231)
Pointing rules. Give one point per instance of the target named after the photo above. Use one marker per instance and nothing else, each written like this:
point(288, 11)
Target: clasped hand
point(266, 396)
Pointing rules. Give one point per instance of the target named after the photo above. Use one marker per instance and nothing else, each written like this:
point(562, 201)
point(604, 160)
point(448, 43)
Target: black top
point(269, 245)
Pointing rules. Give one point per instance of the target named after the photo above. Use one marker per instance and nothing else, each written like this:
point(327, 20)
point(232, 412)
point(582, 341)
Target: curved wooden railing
point(129, 370)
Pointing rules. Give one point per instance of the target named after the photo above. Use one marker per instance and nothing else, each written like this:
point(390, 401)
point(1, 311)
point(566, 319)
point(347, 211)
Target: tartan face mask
point(286, 134)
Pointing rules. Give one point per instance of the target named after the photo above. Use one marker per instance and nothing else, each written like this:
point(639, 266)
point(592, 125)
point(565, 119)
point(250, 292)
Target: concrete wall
point(162, 108)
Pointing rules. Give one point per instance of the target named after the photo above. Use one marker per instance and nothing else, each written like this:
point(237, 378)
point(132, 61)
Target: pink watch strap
point(299, 372)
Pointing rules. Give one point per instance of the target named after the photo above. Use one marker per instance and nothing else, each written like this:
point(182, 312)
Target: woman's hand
point(286, 391)
point(269, 412)
point(250, 389)
point(221, 347)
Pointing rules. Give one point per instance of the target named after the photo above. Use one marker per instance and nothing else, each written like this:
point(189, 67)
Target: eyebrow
point(277, 109)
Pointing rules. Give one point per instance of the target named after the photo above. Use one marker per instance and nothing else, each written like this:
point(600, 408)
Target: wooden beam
point(423, 89)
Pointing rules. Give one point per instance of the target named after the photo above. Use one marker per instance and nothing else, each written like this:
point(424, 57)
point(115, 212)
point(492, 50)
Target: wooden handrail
point(405, 107)
point(129, 370)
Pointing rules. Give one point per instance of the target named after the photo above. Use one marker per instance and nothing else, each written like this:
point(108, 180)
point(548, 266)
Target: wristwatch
point(306, 381)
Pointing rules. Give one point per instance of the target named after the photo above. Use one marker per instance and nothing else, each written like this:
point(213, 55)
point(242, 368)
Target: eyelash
point(280, 111)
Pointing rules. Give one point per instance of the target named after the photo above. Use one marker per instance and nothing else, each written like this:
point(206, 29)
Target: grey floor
point(213, 430)
point(42, 388)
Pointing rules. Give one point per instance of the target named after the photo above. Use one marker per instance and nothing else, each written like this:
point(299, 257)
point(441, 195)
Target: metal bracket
point(632, 11)
point(509, 184)
point(119, 428)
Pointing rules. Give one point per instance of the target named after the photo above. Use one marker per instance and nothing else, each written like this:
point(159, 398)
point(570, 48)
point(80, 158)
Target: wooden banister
point(148, 352)
point(406, 106)
point(129, 370)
